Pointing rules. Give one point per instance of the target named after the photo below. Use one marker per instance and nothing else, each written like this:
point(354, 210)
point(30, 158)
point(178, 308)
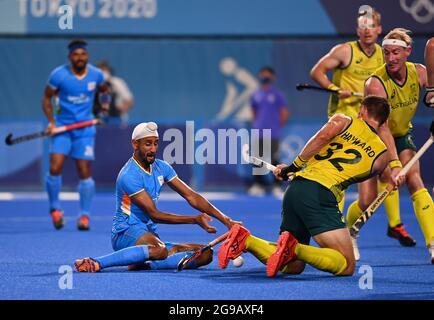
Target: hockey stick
point(303, 86)
point(10, 140)
point(187, 259)
point(366, 215)
point(255, 160)
point(258, 161)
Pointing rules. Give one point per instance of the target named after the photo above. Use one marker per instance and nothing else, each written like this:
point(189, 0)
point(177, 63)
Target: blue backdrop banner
point(205, 17)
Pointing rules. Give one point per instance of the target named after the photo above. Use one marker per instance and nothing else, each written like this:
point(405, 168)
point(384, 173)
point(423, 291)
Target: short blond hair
point(400, 34)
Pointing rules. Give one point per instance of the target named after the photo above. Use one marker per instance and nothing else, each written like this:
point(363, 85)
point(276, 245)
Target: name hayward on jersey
point(403, 99)
point(353, 77)
point(347, 159)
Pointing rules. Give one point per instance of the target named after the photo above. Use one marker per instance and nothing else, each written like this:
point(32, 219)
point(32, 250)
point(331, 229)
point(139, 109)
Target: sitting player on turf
point(134, 233)
point(345, 151)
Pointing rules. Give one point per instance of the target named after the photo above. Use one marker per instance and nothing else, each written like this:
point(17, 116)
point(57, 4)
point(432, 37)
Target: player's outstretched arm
point(198, 202)
point(336, 124)
point(144, 201)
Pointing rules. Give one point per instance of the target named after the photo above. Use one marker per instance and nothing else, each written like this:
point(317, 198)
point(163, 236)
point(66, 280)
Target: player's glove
point(428, 99)
point(295, 166)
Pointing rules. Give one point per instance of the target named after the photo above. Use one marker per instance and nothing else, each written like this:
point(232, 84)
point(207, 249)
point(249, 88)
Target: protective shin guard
point(86, 189)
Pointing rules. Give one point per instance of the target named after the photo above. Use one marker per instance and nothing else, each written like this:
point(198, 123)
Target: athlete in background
point(399, 81)
point(74, 86)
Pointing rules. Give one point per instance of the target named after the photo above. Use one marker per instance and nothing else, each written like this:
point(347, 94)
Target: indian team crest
point(91, 86)
point(89, 152)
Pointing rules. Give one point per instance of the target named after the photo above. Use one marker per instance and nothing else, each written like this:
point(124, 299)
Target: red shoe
point(399, 232)
point(57, 218)
point(83, 223)
point(87, 265)
point(285, 253)
point(233, 246)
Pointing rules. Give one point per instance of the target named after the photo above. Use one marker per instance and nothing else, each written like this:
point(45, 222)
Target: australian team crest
point(413, 88)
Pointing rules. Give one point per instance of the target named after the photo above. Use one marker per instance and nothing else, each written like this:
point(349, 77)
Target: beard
point(80, 65)
point(145, 158)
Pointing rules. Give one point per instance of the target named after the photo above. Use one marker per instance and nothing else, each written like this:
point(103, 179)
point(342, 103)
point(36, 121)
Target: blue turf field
point(32, 252)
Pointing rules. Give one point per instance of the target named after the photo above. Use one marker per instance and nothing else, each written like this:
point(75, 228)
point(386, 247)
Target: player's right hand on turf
point(50, 128)
point(202, 220)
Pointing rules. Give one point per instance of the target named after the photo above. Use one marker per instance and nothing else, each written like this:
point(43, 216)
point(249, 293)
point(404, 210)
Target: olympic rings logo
point(421, 10)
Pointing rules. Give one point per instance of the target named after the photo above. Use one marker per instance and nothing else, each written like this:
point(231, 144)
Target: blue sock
point(125, 257)
point(53, 185)
point(171, 262)
point(86, 189)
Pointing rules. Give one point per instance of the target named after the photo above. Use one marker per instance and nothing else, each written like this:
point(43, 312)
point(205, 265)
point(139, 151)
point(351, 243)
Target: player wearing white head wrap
point(145, 129)
point(134, 233)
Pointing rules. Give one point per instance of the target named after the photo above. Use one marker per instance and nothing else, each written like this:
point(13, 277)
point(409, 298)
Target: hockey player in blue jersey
point(135, 237)
point(73, 85)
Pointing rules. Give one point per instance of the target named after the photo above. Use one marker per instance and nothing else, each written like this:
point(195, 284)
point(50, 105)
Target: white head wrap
point(145, 129)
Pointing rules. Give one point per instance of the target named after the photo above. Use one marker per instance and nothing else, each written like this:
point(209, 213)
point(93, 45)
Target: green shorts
point(309, 209)
point(405, 142)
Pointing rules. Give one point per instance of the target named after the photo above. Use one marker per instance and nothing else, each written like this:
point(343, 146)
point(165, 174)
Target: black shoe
point(399, 232)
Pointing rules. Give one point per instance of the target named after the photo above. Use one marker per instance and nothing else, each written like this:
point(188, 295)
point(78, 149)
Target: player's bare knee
point(414, 182)
point(364, 203)
point(296, 267)
point(158, 252)
point(351, 266)
point(84, 173)
point(56, 168)
point(365, 200)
